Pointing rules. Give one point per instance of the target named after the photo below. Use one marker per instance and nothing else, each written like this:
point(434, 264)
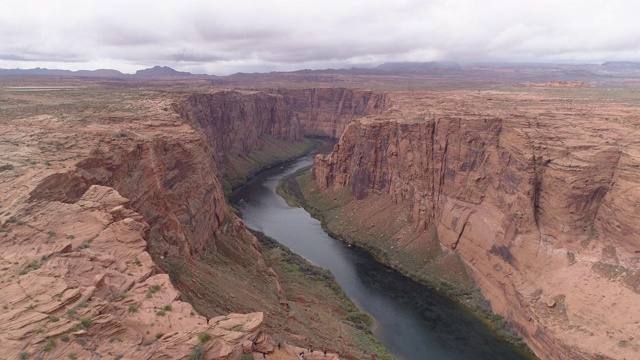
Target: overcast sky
point(227, 36)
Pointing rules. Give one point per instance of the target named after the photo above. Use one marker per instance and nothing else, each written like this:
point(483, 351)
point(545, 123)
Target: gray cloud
point(243, 35)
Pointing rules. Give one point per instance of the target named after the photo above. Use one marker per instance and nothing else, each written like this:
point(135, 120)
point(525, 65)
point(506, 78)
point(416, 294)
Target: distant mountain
point(161, 71)
point(418, 66)
point(622, 64)
point(57, 72)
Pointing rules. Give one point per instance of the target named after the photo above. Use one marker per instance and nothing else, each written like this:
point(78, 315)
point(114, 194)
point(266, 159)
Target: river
point(410, 320)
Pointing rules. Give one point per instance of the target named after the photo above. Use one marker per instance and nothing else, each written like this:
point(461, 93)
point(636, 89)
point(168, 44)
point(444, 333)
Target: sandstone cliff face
point(538, 200)
point(233, 122)
point(327, 111)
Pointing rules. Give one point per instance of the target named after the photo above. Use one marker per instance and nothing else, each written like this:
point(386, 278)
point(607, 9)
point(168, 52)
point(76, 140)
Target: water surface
point(412, 321)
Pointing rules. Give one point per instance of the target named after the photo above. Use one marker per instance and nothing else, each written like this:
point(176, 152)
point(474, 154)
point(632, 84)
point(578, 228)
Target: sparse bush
point(159, 335)
point(167, 307)
point(72, 356)
point(84, 245)
point(49, 345)
point(137, 261)
point(82, 341)
point(86, 321)
point(72, 312)
point(39, 330)
point(64, 338)
point(247, 357)
point(149, 342)
point(197, 353)
point(23, 355)
point(6, 168)
point(53, 318)
point(160, 313)
point(70, 237)
point(154, 288)
point(115, 339)
point(204, 337)
point(34, 265)
point(237, 328)
point(47, 163)
point(123, 296)
point(133, 308)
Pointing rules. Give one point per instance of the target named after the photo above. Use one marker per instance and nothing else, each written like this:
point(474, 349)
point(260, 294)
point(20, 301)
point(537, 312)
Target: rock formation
point(538, 195)
point(96, 192)
point(327, 111)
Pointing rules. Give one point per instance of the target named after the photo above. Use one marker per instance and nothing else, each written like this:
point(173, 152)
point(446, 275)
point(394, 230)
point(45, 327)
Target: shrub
point(167, 307)
point(148, 342)
point(154, 288)
point(72, 356)
point(34, 265)
point(86, 321)
point(23, 355)
point(64, 338)
point(159, 335)
point(84, 245)
point(49, 345)
point(160, 313)
point(115, 339)
point(204, 337)
point(5, 168)
point(137, 261)
point(197, 353)
point(82, 341)
point(122, 296)
point(53, 318)
point(72, 312)
point(133, 308)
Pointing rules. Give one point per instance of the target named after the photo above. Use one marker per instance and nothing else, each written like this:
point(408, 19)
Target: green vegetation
point(159, 335)
point(149, 342)
point(72, 356)
point(86, 321)
point(133, 308)
point(64, 338)
point(197, 353)
point(53, 318)
point(167, 307)
point(204, 337)
point(154, 288)
point(72, 312)
point(49, 345)
point(6, 167)
point(247, 357)
point(23, 355)
point(161, 313)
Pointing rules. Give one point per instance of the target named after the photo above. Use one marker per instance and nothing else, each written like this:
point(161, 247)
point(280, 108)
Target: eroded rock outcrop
point(77, 281)
point(536, 194)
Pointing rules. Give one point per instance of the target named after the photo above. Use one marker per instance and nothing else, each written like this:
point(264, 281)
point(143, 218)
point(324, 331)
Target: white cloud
point(228, 36)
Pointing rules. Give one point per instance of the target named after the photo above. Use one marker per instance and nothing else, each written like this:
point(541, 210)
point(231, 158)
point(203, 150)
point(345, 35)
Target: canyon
point(535, 194)
point(115, 227)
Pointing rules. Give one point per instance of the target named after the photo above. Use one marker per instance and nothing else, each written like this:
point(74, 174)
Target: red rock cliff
point(540, 201)
point(327, 111)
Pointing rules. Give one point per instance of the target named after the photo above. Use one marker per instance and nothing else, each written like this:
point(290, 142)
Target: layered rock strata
point(327, 111)
point(538, 195)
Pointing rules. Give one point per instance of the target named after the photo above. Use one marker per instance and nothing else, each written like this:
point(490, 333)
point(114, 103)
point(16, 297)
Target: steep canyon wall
point(538, 200)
